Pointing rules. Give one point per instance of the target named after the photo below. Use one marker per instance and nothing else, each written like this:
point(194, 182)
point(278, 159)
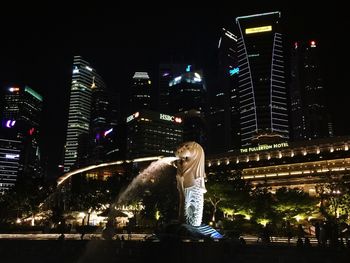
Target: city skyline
point(142, 46)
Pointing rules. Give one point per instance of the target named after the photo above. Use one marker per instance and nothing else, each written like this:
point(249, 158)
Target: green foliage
point(228, 194)
point(262, 201)
point(23, 199)
point(160, 198)
point(90, 194)
point(335, 197)
point(290, 202)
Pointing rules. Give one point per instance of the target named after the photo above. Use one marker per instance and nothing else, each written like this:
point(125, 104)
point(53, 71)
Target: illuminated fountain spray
point(146, 177)
point(190, 181)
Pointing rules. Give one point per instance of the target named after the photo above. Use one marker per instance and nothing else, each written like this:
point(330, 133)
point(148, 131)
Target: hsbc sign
point(167, 117)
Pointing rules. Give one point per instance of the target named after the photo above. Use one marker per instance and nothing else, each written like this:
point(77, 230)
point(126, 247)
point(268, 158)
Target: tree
point(23, 199)
point(228, 193)
point(291, 202)
point(160, 198)
point(334, 193)
point(262, 201)
point(216, 192)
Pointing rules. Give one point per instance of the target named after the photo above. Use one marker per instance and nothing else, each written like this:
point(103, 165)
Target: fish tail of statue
point(194, 200)
point(190, 182)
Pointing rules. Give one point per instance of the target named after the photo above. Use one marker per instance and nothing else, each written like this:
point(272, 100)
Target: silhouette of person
point(307, 242)
point(299, 242)
point(323, 235)
point(301, 232)
point(289, 232)
point(317, 232)
point(128, 229)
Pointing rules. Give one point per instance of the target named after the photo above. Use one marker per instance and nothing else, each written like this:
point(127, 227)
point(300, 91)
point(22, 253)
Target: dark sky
point(37, 47)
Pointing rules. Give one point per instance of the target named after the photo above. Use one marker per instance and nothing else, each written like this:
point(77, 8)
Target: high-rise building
point(10, 152)
point(151, 133)
point(309, 114)
point(168, 72)
point(188, 100)
point(23, 105)
point(262, 85)
point(223, 115)
point(20, 129)
point(84, 79)
point(140, 97)
point(103, 127)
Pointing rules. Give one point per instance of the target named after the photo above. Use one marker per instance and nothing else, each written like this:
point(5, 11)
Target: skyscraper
point(10, 152)
point(223, 116)
point(262, 86)
point(103, 127)
point(188, 100)
point(140, 97)
point(151, 133)
point(84, 79)
point(20, 129)
point(167, 72)
point(309, 114)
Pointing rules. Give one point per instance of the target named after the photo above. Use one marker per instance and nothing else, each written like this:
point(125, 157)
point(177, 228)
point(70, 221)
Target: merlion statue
point(190, 182)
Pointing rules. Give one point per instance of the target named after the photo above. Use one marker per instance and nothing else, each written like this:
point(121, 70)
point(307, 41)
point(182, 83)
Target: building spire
point(93, 85)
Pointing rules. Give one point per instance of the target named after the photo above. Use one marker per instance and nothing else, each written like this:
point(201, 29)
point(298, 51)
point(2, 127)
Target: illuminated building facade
point(301, 164)
point(140, 97)
point(152, 133)
point(188, 98)
point(286, 164)
point(24, 105)
point(223, 116)
point(84, 79)
point(10, 151)
point(309, 113)
point(168, 72)
point(103, 126)
point(262, 86)
point(21, 115)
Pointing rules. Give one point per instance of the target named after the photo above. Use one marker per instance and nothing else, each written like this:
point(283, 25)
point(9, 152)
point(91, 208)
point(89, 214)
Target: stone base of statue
point(178, 231)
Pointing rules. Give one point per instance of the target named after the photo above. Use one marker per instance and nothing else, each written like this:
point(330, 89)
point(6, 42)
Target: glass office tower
point(84, 79)
point(262, 86)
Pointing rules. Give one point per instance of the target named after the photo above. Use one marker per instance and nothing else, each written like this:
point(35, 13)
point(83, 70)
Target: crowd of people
point(327, 233)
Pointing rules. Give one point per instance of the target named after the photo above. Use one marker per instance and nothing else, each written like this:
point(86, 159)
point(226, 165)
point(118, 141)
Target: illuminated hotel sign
point(166, 117)
point(264, 147)
point(259, 29)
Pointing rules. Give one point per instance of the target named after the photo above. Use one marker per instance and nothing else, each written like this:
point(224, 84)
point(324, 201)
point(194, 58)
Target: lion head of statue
point(190, 165)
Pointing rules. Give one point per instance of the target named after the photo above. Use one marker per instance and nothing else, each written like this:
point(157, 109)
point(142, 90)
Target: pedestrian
point(289, 232)
point(82, 232)
point(301, 232)
point(323, 235)
point(317, 232)
point(307, 242)
point(122, 239)
point(128, 229)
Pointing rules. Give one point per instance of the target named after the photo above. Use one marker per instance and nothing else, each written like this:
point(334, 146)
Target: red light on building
point(295, 45)
point(31, 131)
point(178, 119)
point(13, 89)
point(312, 43)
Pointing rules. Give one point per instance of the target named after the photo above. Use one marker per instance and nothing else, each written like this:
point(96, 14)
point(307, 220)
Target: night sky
point(37, 47)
